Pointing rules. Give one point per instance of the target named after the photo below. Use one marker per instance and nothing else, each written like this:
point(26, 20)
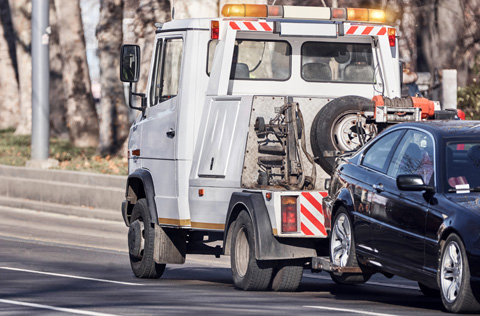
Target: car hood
point(470, 201)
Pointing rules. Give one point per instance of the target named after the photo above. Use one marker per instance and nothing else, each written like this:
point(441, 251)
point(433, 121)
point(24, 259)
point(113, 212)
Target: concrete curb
point(66, 192)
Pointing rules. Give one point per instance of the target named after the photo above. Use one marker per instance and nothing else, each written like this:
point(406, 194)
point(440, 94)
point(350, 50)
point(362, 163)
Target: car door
point(374, 163)
point(158, 146)
point(400, 216)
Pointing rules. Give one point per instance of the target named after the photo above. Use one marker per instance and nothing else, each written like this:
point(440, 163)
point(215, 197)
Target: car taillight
point(289, 214)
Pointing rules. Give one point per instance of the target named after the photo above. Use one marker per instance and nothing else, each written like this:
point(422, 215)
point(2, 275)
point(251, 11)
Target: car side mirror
point(412, 182)
point(130, 63)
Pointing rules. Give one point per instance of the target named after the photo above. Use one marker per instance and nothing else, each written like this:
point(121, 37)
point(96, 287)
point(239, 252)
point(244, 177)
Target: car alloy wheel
point(451, 273)
point(341, 240)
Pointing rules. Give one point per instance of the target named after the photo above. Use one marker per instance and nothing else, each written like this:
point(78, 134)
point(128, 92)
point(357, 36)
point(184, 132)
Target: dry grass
point(15, 151)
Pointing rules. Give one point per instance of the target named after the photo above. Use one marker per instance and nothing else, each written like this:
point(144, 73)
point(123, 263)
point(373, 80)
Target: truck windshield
point(258, 60)
point(338, 62)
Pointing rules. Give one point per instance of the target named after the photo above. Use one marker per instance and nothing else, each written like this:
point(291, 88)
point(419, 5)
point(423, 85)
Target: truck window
point(337, 62)
point(168, 63)
point(257, 60)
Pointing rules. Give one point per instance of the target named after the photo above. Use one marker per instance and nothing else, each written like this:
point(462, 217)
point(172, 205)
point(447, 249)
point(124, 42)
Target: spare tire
point(335, 128)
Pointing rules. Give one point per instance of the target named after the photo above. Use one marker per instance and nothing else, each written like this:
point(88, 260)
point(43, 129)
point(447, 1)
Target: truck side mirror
point(130, 63)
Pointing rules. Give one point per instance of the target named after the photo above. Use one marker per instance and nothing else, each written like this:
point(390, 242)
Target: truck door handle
point(171, 133)
point(378, 187)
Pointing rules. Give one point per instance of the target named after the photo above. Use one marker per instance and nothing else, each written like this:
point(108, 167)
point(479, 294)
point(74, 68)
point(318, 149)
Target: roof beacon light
point(303, 12)
point(245, 10)
point(391, 36)
point(357, 14)
point(376, 16)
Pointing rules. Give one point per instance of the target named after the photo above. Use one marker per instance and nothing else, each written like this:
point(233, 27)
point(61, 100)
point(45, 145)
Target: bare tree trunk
point(58, 99)
point(82, 119)
point(148, 13)
point(21, 16)
point(186, 9)
point(114, 123)
point(9, 91)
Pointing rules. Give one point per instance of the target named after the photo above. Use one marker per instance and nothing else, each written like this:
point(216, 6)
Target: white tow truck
point(239, 128)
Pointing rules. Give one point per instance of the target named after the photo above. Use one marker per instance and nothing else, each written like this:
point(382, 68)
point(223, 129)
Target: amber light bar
point(303, 12)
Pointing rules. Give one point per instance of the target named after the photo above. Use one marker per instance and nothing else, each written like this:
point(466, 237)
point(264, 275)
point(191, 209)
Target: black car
point(408, 204)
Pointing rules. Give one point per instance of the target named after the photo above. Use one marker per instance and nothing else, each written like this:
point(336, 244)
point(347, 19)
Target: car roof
point(446, 129)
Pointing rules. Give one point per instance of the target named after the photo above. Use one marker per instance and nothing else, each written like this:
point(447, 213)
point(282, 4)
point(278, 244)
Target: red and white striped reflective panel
point(312, 218)
point(251, 26)
point(366, 30)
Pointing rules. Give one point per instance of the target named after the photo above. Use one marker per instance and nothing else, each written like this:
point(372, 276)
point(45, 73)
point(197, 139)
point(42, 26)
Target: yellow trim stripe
point(171, 221)
point(208, 226)
point(187, 222)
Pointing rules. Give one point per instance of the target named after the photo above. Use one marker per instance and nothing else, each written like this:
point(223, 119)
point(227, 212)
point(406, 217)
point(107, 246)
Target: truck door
point(158, 146)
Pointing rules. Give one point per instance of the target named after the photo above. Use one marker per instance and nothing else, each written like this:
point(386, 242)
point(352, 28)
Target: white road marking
point(53, 308)
point(349, 311)
point(399, 286)
point(71, 276)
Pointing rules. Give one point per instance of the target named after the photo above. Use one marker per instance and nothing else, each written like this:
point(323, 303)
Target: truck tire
point(334, 128)
point(248, 273)
point(342, 249)
point(454, 278)
point(141, 236)
point(287, 276)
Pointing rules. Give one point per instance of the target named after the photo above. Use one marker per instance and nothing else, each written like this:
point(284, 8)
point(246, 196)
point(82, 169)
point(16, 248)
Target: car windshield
point(463, 167)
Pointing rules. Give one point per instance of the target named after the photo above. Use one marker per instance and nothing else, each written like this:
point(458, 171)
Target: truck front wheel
point(141, 237)
point(248, 273)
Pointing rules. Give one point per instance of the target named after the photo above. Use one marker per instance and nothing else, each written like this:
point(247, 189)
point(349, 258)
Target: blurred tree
point(81, 116)
point(57, 98)
point(10, 99)
point(21, 11)
point(114, 123)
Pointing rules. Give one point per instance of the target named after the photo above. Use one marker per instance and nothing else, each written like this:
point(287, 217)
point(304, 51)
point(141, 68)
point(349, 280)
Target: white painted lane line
point(349, 311)
point(71, 276)
point(53, 308)
point(399, 286)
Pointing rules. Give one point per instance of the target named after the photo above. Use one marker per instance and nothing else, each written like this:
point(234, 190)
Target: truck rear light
point(391, 36)
point(461, 114)
point(289, 214)
point(215, 30)
point(275, 11)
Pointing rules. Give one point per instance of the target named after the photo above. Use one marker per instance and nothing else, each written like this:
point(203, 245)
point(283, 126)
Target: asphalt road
point(64, 265)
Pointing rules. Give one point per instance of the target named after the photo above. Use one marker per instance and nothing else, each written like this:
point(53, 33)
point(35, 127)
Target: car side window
point(166, 75)
point(377, 155)
point(413, 155)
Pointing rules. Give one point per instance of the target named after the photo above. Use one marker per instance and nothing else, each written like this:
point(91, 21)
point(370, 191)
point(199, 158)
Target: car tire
point(249, 274)
point(333, 128)
point(287, 275)
point(454, 277)
point(342, 249)
point(141, 238)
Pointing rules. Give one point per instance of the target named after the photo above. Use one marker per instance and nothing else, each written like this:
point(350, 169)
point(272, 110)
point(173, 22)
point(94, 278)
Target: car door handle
point(171, 133)
point(378, 187)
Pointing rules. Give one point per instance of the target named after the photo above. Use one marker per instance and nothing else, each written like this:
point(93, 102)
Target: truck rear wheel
point(288, 275)
point(337, 127)
point(248, 273)
point(141, 237)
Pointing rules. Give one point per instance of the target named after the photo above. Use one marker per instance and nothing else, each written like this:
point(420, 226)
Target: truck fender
point(267, 247)
point(140, 185)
